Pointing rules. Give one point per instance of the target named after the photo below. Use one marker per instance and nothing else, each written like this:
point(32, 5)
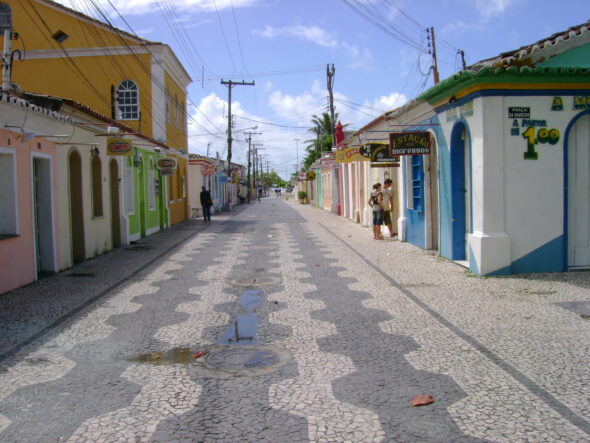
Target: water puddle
point(251, 299)
point(178, 355)
point(242, 331)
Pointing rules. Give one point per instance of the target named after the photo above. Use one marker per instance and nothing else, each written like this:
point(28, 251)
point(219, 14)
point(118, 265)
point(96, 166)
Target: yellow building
point(137, 82)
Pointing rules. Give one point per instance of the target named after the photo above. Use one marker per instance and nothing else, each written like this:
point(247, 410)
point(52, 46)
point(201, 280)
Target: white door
point(579, 194)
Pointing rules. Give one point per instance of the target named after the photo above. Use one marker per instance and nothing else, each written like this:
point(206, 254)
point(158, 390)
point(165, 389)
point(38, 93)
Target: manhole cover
point(255, 281)
point(233, 361)
point(238, 359)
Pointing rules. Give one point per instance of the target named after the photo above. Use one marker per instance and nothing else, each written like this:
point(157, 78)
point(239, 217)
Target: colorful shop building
point(505, 184)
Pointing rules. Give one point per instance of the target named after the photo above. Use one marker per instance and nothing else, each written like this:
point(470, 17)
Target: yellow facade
point(90, 64)
point(178, 191)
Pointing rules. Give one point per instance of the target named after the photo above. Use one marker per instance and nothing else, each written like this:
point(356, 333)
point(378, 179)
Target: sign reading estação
point(119, 146)
point(409, 143)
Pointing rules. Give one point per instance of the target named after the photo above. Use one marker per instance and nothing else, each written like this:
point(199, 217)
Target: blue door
point(460, 194)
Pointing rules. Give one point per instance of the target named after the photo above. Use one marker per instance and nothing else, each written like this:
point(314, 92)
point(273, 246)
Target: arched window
point(96, 187)
point(127, 101)
point(5, 18)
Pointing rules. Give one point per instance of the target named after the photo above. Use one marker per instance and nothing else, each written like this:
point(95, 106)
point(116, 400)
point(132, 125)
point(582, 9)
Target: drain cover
point(255, 281)
point(238, 359)
point(232, 361)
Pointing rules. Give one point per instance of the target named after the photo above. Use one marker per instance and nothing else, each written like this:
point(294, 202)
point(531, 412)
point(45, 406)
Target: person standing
point(206, 203)
point(376, 202)
point(388, 205)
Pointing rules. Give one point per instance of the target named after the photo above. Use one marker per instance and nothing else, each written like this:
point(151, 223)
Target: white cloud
point(313, 34)
point(389, 102)
point(298, 109)
point(490, 8)
point(360, 57)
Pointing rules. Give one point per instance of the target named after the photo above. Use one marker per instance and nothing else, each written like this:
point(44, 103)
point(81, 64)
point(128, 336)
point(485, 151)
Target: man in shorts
point(388, 205)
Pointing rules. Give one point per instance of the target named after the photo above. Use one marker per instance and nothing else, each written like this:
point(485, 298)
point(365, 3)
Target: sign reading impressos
point(409, 143)
point(119, 146)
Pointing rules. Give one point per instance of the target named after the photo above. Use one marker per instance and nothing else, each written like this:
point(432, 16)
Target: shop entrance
point(578, 208)
point(76, 212)
point(460, 193)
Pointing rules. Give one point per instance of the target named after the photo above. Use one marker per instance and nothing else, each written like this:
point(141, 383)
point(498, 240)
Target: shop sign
point(409, 143)
point(311, 175)
point(378, 152)
point(519, 112)
point(302, 176)
point(119, 147)
point(557, 104)
point(208, 169)
point(349, 155)
point(465, 110)
point(166, 165)
point(581, 102)
point(385, 165)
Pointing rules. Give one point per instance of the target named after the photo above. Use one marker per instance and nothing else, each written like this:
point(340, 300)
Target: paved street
point(304, 328)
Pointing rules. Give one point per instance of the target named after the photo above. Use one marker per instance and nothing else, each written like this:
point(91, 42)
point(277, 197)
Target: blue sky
point(285, 45)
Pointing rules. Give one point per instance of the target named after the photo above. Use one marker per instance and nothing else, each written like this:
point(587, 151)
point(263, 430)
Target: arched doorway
point(115, 204)
point(578, 193)
point(460, 192)
point(76, 208)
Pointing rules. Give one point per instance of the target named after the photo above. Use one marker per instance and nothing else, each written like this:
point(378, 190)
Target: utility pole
point(7, 58)
point(330, 73)
point(230, 84)
point(250, 134)
point(297, 150)
point(462, 54)
point(208, 146)
point(435, 63)
point(255, 158)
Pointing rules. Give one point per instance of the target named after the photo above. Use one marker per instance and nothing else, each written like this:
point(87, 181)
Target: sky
point(379, 50)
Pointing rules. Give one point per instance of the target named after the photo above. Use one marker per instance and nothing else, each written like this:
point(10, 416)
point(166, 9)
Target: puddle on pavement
point(178, 355)
point(251, 299)
point(241, 331)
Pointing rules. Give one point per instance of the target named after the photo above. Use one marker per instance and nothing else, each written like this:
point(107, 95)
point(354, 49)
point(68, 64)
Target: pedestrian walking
point(388, 205)
point(206, 203)
point(376, 202)
point(259, 193)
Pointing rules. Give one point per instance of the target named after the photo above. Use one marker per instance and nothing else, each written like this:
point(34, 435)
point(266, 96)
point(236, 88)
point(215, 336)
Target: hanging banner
point(119, 147)
point(166, 165)
point(349, 155)
point(409, 143)
point(378, 152)
point(208, 169)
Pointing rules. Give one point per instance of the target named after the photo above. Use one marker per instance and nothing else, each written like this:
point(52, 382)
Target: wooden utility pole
point(462, 54)
point(330, 73)
point(435, 63)
point(230, 84)
point(250, 134)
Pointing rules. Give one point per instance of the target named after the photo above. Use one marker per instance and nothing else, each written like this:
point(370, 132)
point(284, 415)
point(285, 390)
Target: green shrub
point(302, 195)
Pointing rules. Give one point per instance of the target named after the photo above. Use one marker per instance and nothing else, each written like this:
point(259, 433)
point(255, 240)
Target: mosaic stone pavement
point(357, 328)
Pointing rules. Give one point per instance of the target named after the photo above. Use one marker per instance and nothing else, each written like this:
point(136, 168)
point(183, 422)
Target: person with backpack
point(376, 202)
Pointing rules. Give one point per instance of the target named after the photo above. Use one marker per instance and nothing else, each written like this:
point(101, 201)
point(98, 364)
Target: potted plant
point(302, 196)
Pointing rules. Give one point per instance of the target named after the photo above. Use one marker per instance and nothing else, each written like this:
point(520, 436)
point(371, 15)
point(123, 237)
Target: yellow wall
point(178, 197)
point(176, 134)
point(86, 79)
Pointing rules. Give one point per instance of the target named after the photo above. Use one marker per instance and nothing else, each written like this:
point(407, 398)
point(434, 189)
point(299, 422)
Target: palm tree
point(322, 129)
